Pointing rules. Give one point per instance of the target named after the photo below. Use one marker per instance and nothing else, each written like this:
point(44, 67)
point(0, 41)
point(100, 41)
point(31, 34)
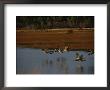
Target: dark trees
point(43, 22)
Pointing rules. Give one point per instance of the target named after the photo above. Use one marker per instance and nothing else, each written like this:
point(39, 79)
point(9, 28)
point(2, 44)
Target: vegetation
point(50, 22)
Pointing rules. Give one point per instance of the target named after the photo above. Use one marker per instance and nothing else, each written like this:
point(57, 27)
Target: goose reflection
point(79, 69)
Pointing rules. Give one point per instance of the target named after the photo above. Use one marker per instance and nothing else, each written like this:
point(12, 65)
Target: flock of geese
point(56, 50)
point(78, 57)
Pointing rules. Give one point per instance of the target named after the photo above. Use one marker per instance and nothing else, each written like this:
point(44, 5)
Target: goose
point(44, 50)
point(59, 51)
point(82, 58)
point(65, 49)
point(79, 57)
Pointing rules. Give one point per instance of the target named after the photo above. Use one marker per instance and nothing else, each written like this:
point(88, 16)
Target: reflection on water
point(37, 61)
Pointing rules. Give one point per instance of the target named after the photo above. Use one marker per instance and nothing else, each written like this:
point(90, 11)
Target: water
point(35, 61)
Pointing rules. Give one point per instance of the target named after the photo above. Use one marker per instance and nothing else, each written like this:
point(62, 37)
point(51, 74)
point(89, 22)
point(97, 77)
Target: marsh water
point(36, 61)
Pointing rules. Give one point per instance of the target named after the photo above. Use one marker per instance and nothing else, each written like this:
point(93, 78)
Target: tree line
point(50, 22)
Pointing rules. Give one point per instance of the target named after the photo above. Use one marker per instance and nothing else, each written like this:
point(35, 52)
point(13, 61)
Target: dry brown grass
point(75, 39)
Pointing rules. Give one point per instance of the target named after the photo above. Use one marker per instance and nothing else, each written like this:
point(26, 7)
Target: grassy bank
point(74, 39)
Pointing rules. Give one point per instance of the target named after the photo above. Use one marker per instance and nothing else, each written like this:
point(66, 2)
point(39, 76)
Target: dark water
point(35, 61)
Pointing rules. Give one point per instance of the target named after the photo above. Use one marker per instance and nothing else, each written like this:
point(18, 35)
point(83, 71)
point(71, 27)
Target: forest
point(54, 22)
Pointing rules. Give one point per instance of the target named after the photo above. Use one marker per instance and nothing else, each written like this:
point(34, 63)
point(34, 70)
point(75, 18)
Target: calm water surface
point(35, 61)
